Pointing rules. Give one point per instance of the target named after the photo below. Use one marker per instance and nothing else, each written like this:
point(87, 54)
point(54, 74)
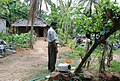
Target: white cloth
point(52, 35)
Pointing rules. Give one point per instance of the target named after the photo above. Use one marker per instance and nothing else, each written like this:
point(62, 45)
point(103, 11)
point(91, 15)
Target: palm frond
point(62, 7)
point(49, 2)
point(69, 3)
point(33, 11)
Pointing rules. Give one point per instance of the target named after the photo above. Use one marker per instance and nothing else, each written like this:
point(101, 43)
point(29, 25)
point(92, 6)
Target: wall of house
point(2, 25)
point(40, 31)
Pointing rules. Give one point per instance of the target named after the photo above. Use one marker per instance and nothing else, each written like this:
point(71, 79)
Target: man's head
point(54, 25)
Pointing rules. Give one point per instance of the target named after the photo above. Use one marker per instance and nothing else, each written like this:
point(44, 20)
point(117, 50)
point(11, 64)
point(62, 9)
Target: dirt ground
point(28, 64)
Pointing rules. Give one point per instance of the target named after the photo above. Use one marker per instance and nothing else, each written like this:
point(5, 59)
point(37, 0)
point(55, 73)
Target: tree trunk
point(31, 35)
point(40, 8)
point(32, 16)
point(91, 1)
point(102, 61)
point(110, 56)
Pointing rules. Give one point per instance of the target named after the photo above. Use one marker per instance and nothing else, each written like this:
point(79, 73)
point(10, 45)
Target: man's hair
point(53, 23)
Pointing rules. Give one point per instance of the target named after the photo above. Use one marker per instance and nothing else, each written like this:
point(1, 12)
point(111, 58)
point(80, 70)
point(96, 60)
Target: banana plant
point(13, 10)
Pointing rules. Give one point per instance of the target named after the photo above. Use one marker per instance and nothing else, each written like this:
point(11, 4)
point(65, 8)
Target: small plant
point(62, 37)
point(72, 44)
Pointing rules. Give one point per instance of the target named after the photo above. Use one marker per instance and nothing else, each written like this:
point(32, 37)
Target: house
point(2, 25)
point(22, 26)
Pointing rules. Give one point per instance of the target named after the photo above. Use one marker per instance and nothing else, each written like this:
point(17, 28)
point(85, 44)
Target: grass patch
point(117, 51)
point(115, 67)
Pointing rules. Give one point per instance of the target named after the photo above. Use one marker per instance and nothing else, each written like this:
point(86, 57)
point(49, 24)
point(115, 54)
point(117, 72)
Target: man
point(52, 46)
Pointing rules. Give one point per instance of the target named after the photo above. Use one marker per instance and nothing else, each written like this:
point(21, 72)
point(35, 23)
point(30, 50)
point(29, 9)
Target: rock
point(67, 76)
point(87, 76)
point(54, 76)
point(106, 76)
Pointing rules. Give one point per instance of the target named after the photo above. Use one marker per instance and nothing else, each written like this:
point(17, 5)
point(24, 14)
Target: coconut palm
point(34, 8)
point(89, 4)
point(32, 16)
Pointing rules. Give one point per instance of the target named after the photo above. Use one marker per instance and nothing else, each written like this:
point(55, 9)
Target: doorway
point(41, 31)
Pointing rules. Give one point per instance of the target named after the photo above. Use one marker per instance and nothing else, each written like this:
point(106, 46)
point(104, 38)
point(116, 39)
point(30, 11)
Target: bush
point(21, 40)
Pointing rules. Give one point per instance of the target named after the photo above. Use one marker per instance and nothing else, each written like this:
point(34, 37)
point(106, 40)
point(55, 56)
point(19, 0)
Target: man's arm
point(55, 45)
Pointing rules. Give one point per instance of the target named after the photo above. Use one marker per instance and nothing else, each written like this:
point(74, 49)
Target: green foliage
point(115, 37)
point(115, 67)
point(79, 50)
point(4, 0)
point(3, 36)
point(98, 52)
point(21, 40)
point(76, 48)
point(62, 37)
point(117, 51)
point(54, 15)
point(13, 10)
point(72, 44)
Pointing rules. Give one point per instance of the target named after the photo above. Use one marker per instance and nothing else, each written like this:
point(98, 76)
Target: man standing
point(52, 46)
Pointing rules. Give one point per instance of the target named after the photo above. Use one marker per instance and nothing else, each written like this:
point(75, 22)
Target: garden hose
point(41, 77)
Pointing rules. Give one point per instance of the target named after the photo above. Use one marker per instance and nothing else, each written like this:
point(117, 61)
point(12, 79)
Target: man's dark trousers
point(52, 55)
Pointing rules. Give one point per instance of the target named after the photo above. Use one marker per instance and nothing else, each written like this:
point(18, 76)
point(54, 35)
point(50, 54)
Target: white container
point(64, 67)
point(1, 46)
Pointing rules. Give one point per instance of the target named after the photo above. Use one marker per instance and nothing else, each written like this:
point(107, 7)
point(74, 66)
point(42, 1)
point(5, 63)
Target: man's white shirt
point(52, 35)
